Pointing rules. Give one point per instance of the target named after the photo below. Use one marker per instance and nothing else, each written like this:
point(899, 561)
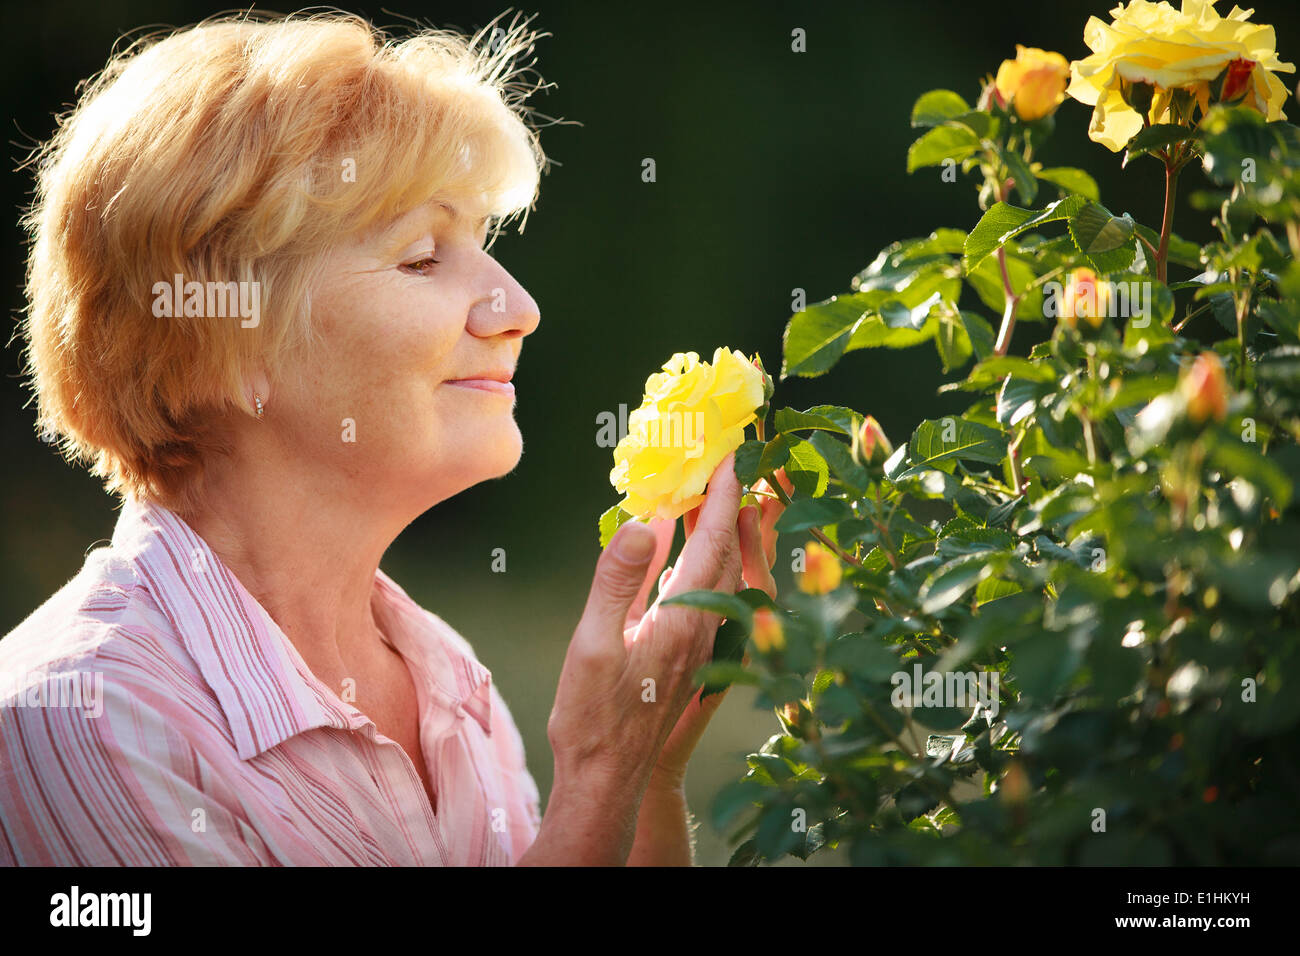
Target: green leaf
point(805, 513)
point(1155, 137)
point(1072, 180)
point(816, 337)
point(748, 455)
point(952, 438)
point(953, 579)
point(806, 468)
point(611, 521)
point(1025, 183)
point(1004, 222)
point(937, 106)
point(940, 143)
point(715, 602)
point(840, 460)
point(1096, 230)
point(754, 459)
point(1017, 399)
point(831, 418)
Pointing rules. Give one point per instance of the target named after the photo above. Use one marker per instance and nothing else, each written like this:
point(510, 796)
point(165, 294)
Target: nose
point(505, 308)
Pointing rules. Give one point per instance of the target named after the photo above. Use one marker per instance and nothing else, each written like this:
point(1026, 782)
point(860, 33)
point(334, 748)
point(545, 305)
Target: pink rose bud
point(1206, 388)
point(873, 446)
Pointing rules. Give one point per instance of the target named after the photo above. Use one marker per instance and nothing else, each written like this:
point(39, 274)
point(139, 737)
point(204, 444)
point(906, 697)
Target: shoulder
point(102, 626)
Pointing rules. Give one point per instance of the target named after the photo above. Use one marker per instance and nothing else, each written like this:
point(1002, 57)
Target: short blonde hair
point(222, 153)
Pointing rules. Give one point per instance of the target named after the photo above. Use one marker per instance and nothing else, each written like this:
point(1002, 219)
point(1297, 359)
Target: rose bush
point(1106, 542)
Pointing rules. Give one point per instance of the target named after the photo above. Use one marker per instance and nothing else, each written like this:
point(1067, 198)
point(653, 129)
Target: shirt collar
point(266, 691)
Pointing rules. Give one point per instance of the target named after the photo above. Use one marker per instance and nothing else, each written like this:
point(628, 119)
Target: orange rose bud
point(1206, 388)
point(822, 571)
point(1237, 82)
point(1085, 298)
point(767, 631)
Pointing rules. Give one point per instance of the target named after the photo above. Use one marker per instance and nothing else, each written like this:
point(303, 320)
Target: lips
point(495, 381)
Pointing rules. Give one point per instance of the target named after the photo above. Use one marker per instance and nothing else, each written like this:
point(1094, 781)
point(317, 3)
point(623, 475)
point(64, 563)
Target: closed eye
point(421, 266)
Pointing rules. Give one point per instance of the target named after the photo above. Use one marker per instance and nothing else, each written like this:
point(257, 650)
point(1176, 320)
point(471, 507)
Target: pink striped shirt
point(152, 713)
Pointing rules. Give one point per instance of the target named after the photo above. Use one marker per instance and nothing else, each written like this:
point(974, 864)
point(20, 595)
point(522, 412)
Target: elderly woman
point(262, 310)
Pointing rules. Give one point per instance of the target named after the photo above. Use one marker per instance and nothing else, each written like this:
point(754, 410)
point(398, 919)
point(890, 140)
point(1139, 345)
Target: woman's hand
point(620, 694)
point(756, 533)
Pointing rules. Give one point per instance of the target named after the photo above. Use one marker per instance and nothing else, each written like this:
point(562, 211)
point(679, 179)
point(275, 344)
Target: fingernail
point(636, 544)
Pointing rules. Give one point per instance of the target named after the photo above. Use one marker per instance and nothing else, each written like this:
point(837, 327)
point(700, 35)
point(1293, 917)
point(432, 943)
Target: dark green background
point(775, 169)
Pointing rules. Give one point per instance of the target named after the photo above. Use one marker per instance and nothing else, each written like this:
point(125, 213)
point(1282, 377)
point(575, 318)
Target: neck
point(306, 548)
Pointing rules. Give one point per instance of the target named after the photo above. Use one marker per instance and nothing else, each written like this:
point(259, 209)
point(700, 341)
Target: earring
point(257, 400)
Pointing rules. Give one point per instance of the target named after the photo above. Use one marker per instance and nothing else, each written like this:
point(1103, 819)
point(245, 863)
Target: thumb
point(620, 573)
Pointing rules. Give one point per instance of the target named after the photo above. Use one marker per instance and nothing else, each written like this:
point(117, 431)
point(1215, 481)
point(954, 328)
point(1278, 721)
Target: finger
point(705, 554)
point(664, 531)
point(620, 572)
point(754, 565)
point(690, 520)
point(772, 510)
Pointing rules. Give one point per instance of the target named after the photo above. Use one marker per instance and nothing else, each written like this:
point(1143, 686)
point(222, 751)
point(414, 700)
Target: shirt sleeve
point(122, 788)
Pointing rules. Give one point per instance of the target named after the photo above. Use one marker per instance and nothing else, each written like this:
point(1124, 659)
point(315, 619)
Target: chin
point(493, 452)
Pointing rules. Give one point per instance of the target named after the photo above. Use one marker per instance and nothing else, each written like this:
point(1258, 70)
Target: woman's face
point(408, 394)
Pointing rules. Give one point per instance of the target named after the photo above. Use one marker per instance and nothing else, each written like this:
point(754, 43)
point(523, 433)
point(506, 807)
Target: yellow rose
point(693, 415)
point(1034, 82)
point(1168, 49)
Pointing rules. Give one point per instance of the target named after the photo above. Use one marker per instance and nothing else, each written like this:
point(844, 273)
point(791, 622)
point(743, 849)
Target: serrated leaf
point(940, 143)
point(954, 438)
point(1155, 137)
point(1095, 229)
point(1071, 180)
point(1003, 222)
point(816, 337)
point(937, 106)
point(806, 468)
point(805, 513)
point(613, 519)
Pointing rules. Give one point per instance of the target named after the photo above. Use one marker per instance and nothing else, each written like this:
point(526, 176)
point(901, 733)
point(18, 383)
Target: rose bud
point(1205, 387)
point(822, 570)
point(767, 632)
point(1237, 81)
point(873, 446)
point(1034, 82)
point(1085, 298)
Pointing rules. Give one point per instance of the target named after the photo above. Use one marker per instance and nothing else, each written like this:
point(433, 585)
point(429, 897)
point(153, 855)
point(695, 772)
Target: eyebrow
point(455, 213)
